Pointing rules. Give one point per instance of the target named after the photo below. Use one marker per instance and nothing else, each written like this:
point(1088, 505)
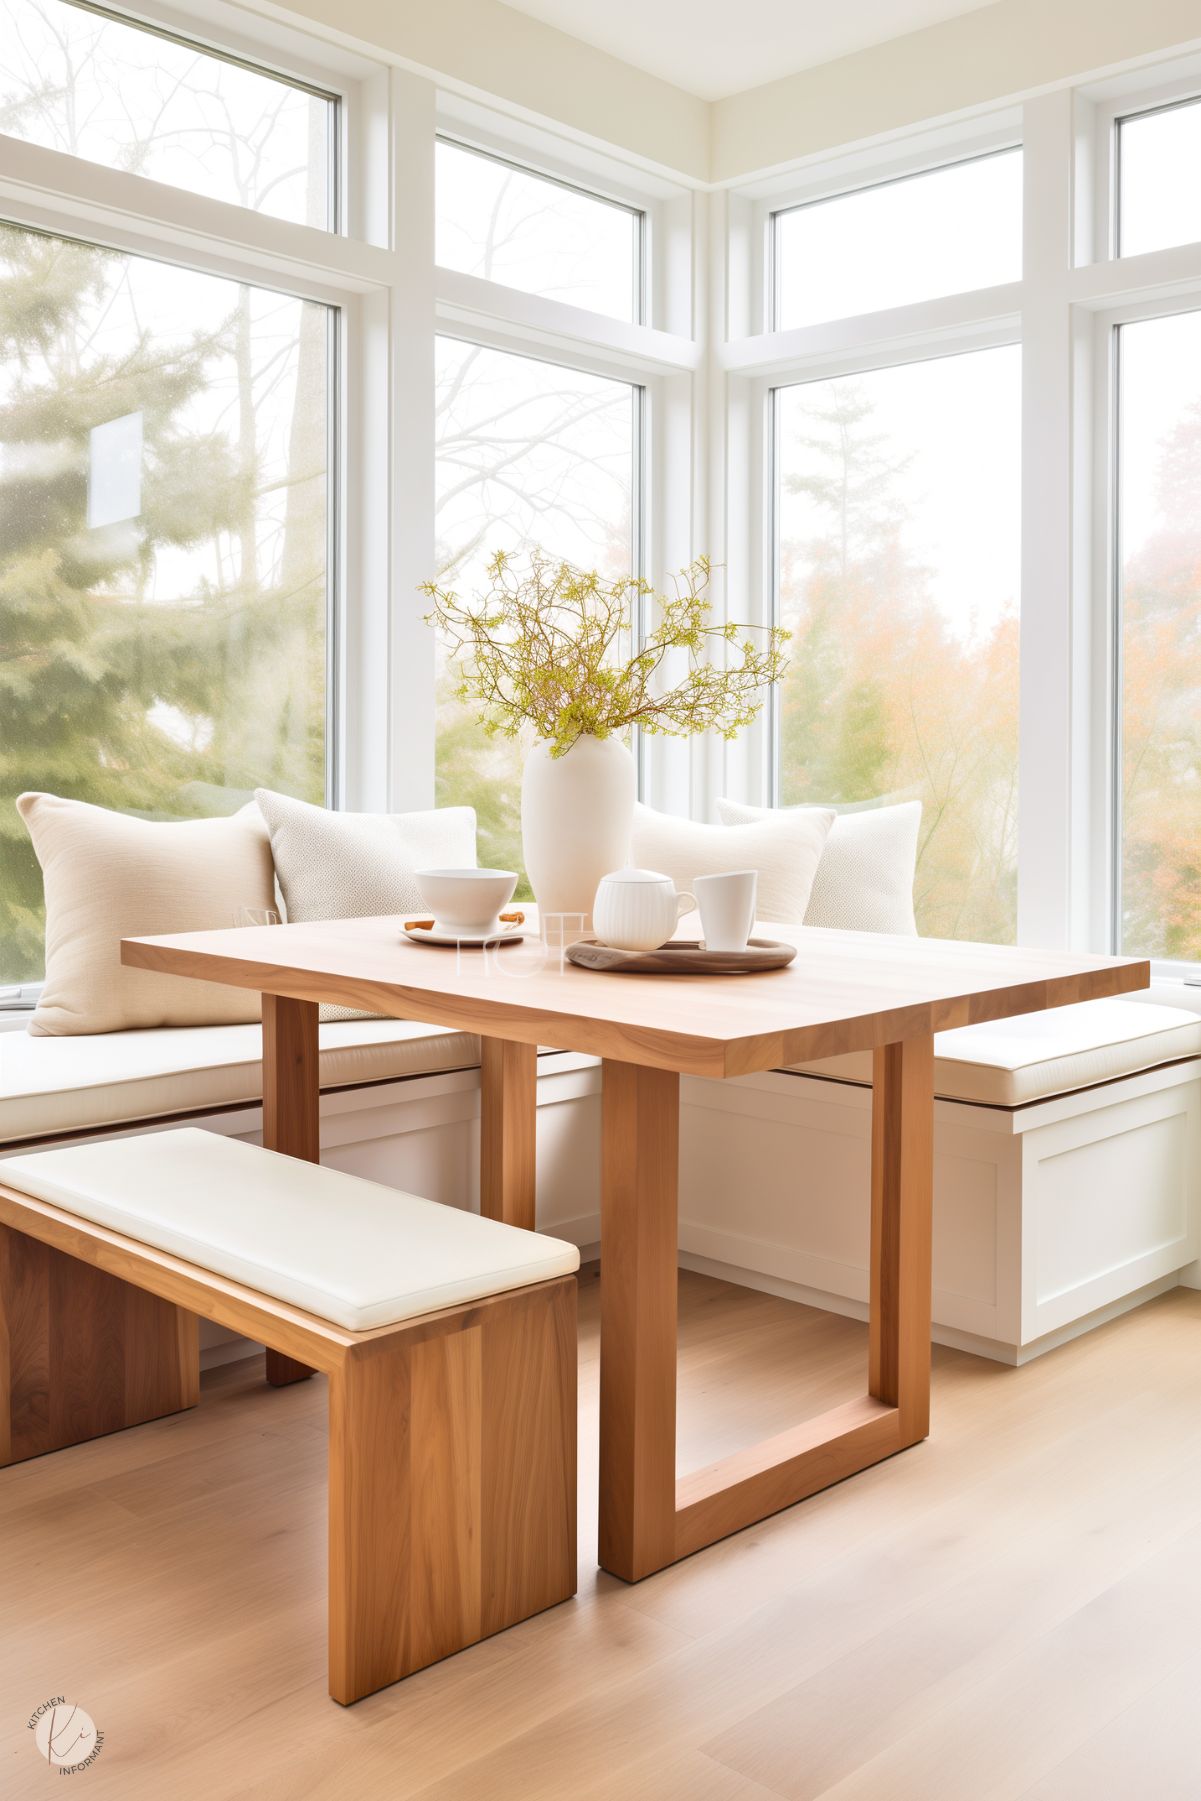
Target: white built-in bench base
point(1067, 1152)
point(1052, 1210)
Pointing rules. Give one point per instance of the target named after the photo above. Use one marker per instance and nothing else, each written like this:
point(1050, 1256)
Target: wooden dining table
point(844, 991)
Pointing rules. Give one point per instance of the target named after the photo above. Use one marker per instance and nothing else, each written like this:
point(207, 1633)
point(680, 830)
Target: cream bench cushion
point(1010, 1062)
point(50, 1087)
point(352, 1252)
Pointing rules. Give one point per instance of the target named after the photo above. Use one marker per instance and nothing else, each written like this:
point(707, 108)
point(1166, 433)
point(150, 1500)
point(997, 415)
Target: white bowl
point(466, 900)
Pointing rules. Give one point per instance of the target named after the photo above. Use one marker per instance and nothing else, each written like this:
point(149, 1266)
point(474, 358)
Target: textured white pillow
point(109, 876)
point(785, 848)
point(864, 882)
point(352, 865)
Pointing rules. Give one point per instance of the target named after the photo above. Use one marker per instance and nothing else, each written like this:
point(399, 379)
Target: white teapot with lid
point(638, 909)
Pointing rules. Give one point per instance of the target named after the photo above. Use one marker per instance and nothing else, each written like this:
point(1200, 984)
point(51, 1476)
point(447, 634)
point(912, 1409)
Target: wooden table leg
point(901, 1233)
point(639, 1203)
point(508, 1109)
point(648, 1517)
point(291, 1112)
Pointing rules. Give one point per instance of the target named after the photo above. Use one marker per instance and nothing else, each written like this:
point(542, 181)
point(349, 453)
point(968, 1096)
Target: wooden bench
point(449, 1342)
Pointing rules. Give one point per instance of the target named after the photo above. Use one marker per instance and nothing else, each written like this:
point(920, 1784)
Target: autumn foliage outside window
point(899, 541)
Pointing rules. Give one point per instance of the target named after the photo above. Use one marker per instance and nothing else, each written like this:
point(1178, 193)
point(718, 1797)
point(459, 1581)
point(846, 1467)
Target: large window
point(164, 544)
point(76, 79)
point(952, 523)
point(509, 225)
point(941, 232)
point(1159, 660)
point(528, 453)
point(898, 546)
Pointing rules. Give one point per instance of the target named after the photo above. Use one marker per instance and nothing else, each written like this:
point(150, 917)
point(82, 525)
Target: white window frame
point(1108, 291)
point(1106, 673)
point(482, 143)
point(660, 357)
point(65, 195)
point(50, 191)
point(1072, 295)
point(377, 268)
point(1107, 105)
point(755, 363)
point(935, 151)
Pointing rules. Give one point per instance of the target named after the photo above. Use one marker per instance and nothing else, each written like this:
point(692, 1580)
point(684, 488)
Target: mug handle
point(686, 903)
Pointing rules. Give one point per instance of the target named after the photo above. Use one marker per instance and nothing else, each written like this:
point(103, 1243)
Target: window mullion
point(47, 190)
point(1053, 809)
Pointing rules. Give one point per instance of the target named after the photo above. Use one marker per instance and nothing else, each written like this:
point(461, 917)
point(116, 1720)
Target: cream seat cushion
point(109, 876)
point(864, 881)
point(350, 1251)
point(1009, 1062)
point(784, 848)
point(53, 1086)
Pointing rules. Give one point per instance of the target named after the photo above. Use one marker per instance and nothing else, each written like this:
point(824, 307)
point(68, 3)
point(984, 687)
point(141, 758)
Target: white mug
point(727, 909)
point(637, 909)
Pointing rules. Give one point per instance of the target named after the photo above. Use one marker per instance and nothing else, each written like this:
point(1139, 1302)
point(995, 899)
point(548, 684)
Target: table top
point(845, 991)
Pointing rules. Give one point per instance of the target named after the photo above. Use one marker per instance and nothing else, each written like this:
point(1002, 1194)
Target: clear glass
point(943, 232)
point(512, 226)
point(897, 497)
point(1159, 179)
point(107, 91)
point(163, 546)
point(529, 454)
point(1159, 571)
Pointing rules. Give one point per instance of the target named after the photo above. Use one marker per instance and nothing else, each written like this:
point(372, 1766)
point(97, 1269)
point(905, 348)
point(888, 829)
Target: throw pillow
point(785, 849)
point(864, 882)
point(352, 865)
point(109, 876)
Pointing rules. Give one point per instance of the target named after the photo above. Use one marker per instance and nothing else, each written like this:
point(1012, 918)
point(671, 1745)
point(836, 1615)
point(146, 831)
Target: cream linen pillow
point(352, 865)
point(864, 882)
point(109, 876)
point(785, 848)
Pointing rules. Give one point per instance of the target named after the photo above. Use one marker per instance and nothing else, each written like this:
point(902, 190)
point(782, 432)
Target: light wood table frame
point(845, 991)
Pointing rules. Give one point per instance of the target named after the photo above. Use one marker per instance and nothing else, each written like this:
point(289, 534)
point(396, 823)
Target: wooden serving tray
point(683, 957)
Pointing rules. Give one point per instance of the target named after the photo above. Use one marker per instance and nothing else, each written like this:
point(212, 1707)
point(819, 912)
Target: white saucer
point(470, 940)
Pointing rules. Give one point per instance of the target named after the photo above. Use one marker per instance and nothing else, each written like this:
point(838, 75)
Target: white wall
point(1016, 48)
point(492, 51)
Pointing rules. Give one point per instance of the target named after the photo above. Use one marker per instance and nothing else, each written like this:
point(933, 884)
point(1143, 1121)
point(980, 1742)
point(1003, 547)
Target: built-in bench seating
point(1012, 1062)
point(449, 1342)
point(56, 1087)
point(1067, 1173)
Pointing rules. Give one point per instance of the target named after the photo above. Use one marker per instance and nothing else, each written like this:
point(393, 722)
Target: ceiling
point(718, 47)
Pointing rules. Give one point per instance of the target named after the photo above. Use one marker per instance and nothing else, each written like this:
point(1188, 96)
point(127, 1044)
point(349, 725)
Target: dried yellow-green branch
point(547, 645)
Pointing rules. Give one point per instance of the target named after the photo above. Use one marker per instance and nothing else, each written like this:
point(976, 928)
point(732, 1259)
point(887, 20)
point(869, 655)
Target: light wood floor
point(1011, 1610)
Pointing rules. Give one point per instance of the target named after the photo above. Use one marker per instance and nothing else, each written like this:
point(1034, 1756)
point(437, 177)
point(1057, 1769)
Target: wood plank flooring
point(1007, 1612)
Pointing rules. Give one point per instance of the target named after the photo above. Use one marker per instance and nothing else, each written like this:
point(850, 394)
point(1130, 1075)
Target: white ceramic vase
point(577, 812)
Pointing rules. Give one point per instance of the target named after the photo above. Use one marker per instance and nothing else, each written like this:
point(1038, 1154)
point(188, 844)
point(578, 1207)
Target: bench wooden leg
point(83, 1353)
point(291, 1112)
point(452, 1484)
point(508, 1109)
